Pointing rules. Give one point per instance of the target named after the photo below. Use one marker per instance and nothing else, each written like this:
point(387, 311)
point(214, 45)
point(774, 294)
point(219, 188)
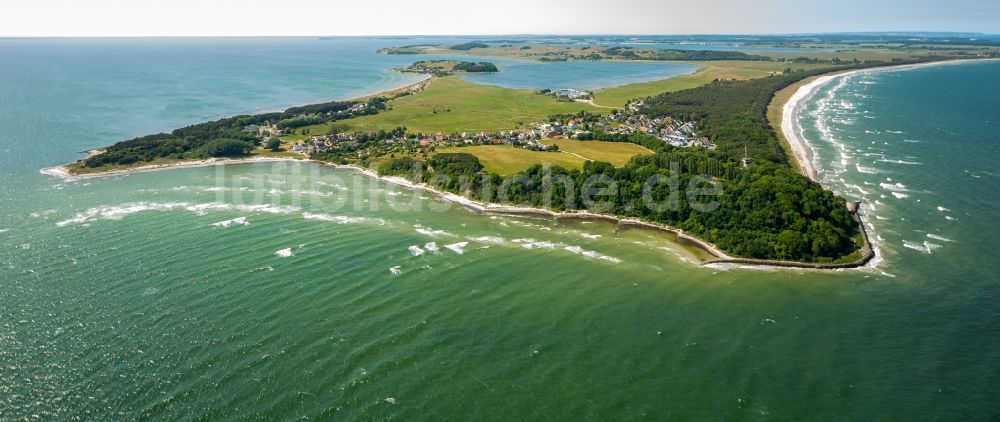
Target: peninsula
point(448, 135)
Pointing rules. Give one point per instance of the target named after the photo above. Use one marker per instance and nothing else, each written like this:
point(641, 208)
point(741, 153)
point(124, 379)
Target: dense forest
point(481, 67)
point(766, 211)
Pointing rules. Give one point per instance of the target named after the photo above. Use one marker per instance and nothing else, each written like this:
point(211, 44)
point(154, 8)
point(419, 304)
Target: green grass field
point(451, 105)
point(709, 71)
point(616, 153)
point(506, 159)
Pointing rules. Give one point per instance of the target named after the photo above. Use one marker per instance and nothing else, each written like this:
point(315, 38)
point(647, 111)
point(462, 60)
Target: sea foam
point(339, 219)
point(458, 248)
point(242, 221)
point(415, 250)
point(431, 232)
point(941, 238)
point(925, 247)
point(117, 212)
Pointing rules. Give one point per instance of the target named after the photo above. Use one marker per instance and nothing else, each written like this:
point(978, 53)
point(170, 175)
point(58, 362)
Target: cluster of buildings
point(675, 132)
point(264, 132)
point(572, 128)
point(572, 94)
point(349, 142)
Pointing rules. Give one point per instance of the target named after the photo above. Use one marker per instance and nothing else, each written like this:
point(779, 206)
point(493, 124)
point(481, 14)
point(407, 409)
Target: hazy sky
point(446, 17)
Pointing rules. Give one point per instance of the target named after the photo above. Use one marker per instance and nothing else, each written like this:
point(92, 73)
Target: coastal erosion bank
point(709, 253)
point(716, 256)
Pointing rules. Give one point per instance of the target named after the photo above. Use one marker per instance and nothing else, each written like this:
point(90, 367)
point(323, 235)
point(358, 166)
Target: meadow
point(709, 71)
point(616, 153)
point(506, 159)
point(451, 105)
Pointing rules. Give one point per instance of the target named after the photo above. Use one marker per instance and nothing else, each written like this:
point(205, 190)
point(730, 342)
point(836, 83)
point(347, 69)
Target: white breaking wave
point(496, 240)
point(912, 163)
point(897, 187)
point(866, 170)
point(339, 219)
point(533, 243)
point(415, 250)
point(458, 248)
point(925, 247)
point(591, 254)
point(284, 253)
point(242, 221)
point(120, 211)
point(202, 209)
point(941, 238)
point(431, 232)
point(395, 270)
point(39, 214)
point(431, 246)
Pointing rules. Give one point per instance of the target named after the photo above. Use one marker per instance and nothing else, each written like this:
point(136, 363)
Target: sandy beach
point(804, 152)
point(64, 173)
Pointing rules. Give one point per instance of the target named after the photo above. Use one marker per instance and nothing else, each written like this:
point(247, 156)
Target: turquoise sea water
point(145, 296)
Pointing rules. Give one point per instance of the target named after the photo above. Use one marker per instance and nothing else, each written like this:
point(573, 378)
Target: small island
point(448, 67)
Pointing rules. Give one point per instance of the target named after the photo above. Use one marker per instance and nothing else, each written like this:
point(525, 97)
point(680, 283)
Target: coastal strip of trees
point(767, 211)
point(227, 137)
point(468, 46)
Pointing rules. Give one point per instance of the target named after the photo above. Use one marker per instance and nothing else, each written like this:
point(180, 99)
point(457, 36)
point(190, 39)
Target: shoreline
point(62, 171)
point(804, 152)
point(489, 208)
point(680, 237)
point(806, 157)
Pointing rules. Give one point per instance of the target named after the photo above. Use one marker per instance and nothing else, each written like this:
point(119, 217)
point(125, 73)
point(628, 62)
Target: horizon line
point(706, 34)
